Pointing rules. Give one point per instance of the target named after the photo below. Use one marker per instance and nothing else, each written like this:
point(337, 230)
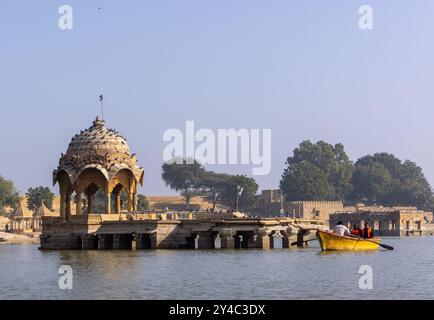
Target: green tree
point(9, 196)
point(333, 162)
point(183, 177)
point(246, 200)
point(142, 203)
point(371, 183)
point(36, 195)
point(99, 202)
point(212, 185)
point(305, 181)
point(384, 179)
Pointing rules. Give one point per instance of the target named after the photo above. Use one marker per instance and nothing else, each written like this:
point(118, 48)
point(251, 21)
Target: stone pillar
point(217, 242)
point(134, 201)
point(139, 241)
point(153, 237)
point(101, 242)
point(78, 205)
point(130, 202)
point(196, 241)
point(226, 239)
point(62, 205)
point(117, 202)
point(105, 242)
point(89, 203)
point(88, 242)
point(116, 241)
point(68, 206)
point(108, 205)
point(262, 239)
point(251, 241)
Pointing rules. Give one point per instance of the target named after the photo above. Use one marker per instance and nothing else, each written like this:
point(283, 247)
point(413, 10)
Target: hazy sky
point(302, 68)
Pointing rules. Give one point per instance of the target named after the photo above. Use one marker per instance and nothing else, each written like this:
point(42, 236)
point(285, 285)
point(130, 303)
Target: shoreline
point(18, 238)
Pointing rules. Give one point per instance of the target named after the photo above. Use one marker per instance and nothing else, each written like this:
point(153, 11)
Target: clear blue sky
point(302, 68)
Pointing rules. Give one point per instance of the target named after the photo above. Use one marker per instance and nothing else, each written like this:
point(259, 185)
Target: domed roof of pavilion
point(99, 148)
point(43, 211)
point(21, 210)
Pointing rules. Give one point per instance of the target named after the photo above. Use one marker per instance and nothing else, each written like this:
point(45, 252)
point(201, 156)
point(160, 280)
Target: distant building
point(313, 209)
point(270, 196)
point(23, 220)
point(269, 204)
point(387, 221)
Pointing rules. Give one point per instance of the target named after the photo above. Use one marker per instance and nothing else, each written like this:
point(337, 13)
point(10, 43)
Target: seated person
point(356, 230)
point(341, 230)
point(367, 232)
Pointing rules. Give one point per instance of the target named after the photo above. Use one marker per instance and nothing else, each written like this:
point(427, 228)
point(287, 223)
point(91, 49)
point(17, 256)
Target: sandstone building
point(23, 220)
point(387, 221)
point(99, 159)
point(269, 204)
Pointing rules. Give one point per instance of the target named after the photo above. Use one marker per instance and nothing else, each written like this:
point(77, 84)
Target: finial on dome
point(98, 123)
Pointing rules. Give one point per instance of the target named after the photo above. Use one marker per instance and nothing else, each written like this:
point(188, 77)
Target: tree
point(328, 163)
point(99, 202)
point(371, 183)
point(305, 181)
point(230, 189)
point(384, 179)
point(9, 196)
point(212, 185)
point(183, 177)
point(35, 196)
point(142, 203)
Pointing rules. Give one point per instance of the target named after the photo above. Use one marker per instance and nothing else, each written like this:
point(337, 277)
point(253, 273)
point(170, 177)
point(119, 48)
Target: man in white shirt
point(341, 230)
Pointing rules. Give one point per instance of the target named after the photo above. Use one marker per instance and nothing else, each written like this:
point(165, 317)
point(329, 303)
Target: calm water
point(407, 272)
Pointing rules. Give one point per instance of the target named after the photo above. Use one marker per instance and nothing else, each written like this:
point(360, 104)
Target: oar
point(385, 246)
point(294, 243)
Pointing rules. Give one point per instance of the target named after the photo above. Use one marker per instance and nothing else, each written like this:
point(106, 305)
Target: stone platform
point(140, 231)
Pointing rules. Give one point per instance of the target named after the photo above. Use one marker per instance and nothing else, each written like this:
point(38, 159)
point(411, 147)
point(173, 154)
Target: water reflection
point(219, 274)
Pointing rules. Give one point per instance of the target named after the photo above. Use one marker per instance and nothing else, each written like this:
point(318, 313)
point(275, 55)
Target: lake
point(406, 272)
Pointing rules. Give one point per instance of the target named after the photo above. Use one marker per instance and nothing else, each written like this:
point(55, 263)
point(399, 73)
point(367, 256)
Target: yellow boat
point(332, 242)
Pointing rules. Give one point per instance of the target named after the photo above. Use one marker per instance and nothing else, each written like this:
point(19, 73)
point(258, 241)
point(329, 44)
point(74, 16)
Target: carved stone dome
point(99, 148)
point(98, 140)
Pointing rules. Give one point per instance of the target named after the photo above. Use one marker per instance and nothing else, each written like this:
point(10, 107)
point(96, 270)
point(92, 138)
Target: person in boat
point(367, 232)
point(341, 230)
point(356, 230)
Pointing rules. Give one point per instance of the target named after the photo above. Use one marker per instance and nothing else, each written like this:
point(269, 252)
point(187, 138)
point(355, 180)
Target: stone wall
point(269, 204)
point(313, 209)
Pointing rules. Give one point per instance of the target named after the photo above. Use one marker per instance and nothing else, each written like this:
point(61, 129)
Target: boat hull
point(332, 242)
